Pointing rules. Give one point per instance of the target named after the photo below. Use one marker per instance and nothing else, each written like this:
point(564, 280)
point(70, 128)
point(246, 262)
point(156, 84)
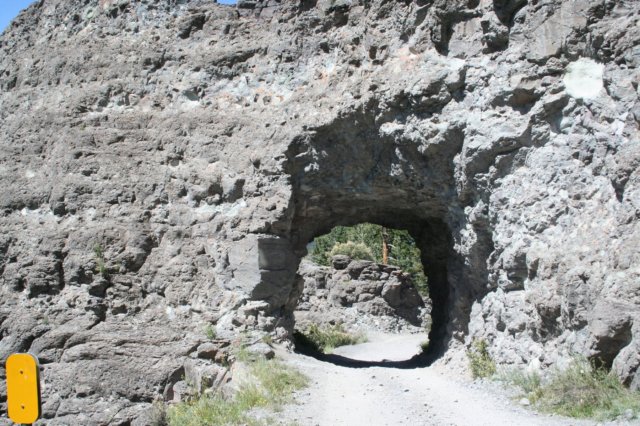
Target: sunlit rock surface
point(164, 164)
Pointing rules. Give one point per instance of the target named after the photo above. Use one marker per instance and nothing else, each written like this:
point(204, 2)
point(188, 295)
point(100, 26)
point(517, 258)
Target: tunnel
point(351, 172)
point(432, 239)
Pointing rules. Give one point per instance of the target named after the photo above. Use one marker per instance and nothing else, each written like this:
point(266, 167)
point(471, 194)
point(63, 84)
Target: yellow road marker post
point(23, 388)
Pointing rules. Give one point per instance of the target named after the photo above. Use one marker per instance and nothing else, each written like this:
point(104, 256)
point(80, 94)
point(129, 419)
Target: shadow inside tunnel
point(420, 360)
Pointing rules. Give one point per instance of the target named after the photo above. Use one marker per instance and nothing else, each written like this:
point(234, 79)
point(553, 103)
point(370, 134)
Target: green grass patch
point(580, 391)
point(273, 385)
point(277, 381)
point(480, 361)
point(326, 339)
point(529, 383)
point(210, 411)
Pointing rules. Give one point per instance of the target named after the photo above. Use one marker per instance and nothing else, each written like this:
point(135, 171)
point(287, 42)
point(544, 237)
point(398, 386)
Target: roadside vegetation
point(480, 361)
point(582, 390)
point(271, 384)
point(326, 339)
point(368, 241)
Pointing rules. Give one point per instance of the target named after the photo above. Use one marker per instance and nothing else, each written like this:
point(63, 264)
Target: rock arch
point(355, 170)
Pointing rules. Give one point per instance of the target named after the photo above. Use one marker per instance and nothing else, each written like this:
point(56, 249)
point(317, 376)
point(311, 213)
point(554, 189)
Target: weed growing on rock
point(210, 332)
point(270, 384)
point(326, 339)
point(480, 361)
point(101, 264)
point(582, 390)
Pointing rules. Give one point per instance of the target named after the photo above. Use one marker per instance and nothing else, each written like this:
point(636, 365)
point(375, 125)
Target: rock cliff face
point(165, 162)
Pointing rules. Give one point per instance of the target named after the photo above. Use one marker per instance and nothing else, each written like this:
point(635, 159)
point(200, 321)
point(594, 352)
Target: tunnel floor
point(388, 350)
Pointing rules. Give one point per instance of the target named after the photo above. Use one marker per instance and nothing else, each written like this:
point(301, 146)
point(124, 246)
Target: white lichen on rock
point(584, 79)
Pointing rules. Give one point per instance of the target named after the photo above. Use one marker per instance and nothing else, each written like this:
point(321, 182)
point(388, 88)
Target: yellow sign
point(23, 388)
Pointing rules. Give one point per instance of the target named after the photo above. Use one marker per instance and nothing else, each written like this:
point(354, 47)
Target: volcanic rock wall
point(165, 162)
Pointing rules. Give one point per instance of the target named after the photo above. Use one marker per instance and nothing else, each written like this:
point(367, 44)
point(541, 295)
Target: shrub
point(357, 251)
point(480, 361)
point(326, 339)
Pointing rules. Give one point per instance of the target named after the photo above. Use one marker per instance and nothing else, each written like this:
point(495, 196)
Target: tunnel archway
point(355, 170)
point(433, 240)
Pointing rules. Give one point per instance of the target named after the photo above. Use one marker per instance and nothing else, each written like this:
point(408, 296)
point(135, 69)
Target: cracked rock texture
point(165, 162)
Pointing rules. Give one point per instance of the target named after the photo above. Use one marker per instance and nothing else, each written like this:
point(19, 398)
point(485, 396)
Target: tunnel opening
point(385, 289)
point(353, 170)
point(372, 242)
point(363, 284)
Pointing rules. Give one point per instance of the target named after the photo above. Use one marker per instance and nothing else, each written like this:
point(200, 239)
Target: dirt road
point(389, 396)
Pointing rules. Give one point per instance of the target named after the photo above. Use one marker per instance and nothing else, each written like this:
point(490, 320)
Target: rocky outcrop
point(166, 162)
point(361, 295)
